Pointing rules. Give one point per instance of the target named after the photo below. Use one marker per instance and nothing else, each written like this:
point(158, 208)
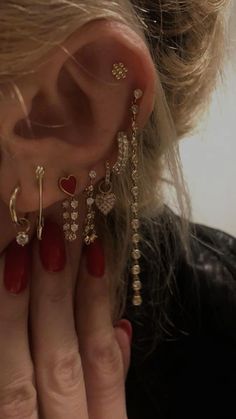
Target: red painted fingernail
point(52, 248)
point(17, 268)
point(95, 259)
point(127, 327)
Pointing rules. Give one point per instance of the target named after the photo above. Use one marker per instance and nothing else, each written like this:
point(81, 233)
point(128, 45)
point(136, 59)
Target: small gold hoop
point(105, 188)
point(12, 206)
point(19, 222)
point(22, 224)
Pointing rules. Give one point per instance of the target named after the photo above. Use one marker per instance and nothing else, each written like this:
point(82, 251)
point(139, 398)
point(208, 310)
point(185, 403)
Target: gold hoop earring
point(40, 172)
point(22, 224)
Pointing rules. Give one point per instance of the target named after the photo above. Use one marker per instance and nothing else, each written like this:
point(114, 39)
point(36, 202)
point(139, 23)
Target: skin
point(71, 361)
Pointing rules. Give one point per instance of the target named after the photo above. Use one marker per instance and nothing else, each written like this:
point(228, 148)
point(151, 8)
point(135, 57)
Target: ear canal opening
point(50, 117)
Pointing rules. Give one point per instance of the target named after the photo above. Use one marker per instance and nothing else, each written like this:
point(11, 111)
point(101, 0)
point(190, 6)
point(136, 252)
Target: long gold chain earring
point(90, 234)
point(70, 207)
point(135, 223)
point(106, 199)
point(21, 224)
point(40, 172)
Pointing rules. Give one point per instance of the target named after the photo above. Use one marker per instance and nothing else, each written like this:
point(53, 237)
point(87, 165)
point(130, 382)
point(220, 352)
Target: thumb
point(123, 334)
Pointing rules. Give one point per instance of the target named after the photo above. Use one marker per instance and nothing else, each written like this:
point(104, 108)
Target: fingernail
point(125, 325)
point(52, 248)
point(95, 259)
point(17, 268)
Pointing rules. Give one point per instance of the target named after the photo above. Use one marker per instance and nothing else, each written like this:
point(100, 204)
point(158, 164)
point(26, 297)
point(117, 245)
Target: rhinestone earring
point(135, 223)
point(39, 176)
point(21, 224)
point(119, 71)
point(123, 153)
point(106, 199)
point(90, 234)
point(70, 207)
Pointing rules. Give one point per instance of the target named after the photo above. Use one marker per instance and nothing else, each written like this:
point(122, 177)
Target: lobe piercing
point(22, 224)
point(70, 207)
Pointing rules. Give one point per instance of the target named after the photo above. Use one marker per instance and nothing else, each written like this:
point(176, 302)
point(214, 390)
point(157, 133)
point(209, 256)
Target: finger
point(8, 229)
point(123, 333)
point(59, 375)
point(101, 354)
point(17, 384)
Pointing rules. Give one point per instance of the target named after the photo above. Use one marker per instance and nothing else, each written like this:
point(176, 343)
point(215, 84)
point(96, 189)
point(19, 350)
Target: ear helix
point(104, 200)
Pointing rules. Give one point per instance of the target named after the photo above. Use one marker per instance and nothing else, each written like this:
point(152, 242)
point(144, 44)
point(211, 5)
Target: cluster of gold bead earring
point(119, 71)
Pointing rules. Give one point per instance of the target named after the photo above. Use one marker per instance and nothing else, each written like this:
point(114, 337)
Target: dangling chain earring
point(39, 176)
point(70, 207)
point(123, 153)
point(106, 199)
point(136, 254)
point(90, 234)
point(22, 224)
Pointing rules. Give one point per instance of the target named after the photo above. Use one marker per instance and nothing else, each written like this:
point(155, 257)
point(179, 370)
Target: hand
point(70, 362)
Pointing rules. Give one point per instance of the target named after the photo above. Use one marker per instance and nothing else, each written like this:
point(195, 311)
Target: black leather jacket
point(190, 370)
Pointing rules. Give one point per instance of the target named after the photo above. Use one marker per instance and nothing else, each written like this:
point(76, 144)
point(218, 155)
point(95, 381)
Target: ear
point(73, 85)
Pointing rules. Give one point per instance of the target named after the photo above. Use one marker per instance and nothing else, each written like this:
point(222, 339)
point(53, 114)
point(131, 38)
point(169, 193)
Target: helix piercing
point(135, 222)
point(119, 71)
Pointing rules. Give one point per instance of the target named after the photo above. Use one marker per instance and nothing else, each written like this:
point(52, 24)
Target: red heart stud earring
point(70, 207)
point(68, 185)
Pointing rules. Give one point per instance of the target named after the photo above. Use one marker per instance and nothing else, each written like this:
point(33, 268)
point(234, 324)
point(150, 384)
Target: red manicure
point(52, 248)
point(17, 268)
point(95, 259)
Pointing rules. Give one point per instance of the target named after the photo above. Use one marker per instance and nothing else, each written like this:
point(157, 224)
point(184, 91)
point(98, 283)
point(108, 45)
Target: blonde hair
point(185, 39)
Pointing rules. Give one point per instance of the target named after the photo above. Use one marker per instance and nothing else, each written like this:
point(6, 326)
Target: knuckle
point(57, 294)
point(65, 372)
point(104, 356)
point(18, 400)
